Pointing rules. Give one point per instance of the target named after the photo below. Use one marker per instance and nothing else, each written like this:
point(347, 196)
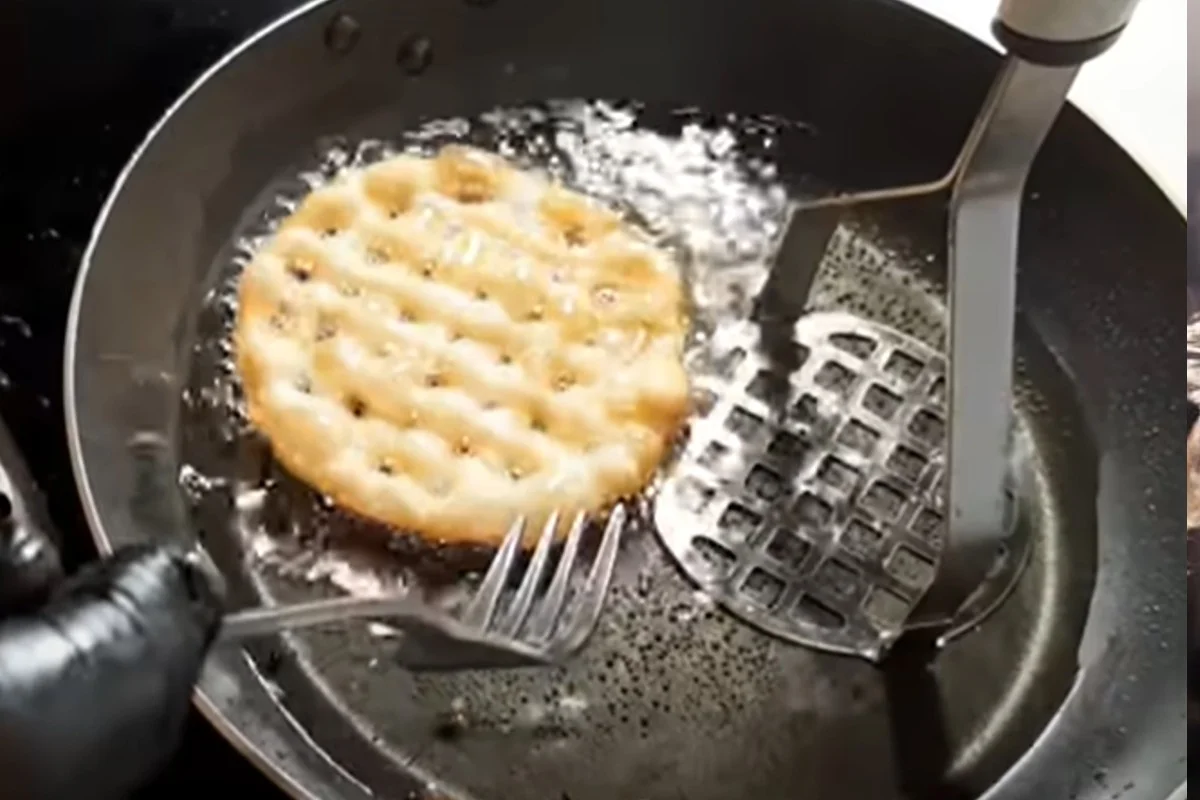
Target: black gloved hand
point(96, 671)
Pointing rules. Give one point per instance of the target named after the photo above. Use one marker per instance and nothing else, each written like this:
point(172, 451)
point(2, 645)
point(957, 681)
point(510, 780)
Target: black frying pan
point(1071, 689)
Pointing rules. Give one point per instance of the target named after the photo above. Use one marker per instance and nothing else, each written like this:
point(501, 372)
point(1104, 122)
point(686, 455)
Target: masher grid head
point(808, 499)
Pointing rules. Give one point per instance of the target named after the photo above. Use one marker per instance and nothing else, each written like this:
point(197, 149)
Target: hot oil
point(689, 702)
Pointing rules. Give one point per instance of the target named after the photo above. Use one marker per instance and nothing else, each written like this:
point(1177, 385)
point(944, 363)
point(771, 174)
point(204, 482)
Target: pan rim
point(257, 755)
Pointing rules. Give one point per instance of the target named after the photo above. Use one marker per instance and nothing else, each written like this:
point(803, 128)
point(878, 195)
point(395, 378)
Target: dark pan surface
point(670, 702)
point(669, 674)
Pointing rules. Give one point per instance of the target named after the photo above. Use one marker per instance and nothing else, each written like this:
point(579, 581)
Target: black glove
point(96, 671)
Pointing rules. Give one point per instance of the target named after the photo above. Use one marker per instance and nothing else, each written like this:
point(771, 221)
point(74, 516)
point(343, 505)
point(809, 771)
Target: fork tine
point(551, 604)
point(513, 620)
point(591, 597)
point(482, 607)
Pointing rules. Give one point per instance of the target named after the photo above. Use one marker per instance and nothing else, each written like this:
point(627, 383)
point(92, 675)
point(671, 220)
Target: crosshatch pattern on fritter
point(444, 344)
point(811, 505)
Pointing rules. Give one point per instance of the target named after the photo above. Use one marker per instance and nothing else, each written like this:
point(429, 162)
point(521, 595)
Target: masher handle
point(1048, 41)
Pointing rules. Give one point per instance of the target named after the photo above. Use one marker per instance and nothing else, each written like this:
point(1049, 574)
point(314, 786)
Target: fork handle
point(266, 620)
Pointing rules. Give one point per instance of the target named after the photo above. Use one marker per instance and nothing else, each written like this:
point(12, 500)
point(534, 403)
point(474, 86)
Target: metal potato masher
point(849, 483)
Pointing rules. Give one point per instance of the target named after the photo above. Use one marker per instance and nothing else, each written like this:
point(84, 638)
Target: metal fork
point(537, 626)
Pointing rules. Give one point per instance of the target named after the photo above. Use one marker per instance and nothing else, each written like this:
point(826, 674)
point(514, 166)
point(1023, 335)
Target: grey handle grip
point(1065, 20)
point(1061, 32)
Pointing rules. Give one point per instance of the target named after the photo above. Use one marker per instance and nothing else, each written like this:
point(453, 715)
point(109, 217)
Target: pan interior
point(673, 698)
